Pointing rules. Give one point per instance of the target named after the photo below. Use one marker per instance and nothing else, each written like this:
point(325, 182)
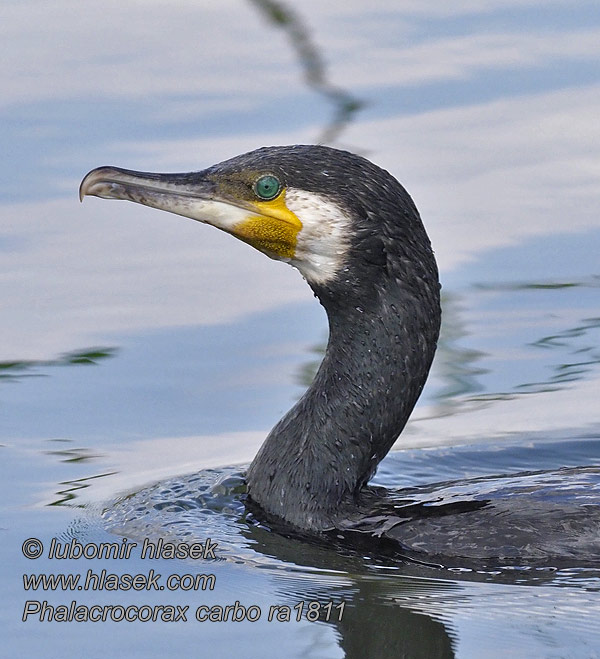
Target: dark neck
point(318, 457)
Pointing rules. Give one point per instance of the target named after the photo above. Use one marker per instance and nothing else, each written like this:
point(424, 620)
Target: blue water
point(145, 357)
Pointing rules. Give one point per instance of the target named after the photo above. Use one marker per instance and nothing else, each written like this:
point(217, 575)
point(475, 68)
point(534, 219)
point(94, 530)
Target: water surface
point(143, 354)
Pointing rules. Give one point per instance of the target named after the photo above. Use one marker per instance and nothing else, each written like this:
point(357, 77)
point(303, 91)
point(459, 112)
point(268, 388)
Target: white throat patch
point(323, 241)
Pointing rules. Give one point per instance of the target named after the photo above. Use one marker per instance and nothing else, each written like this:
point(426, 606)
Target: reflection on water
point(67, 453)
point(70, 491)
point(572, 351)
point(456, 364)
point(346, 105)
point(16, 369)
point(489, 119)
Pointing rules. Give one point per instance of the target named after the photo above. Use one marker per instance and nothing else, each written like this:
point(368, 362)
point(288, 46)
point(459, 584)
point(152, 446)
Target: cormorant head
point(314, 207)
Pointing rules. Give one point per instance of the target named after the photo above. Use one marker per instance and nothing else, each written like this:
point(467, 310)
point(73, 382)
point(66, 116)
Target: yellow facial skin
point(274, 231)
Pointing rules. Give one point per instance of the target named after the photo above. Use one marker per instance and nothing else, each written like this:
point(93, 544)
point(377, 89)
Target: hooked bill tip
point(98, 182)
point(87, 182)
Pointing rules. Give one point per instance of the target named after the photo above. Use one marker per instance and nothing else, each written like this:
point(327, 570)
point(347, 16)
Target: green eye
point(267, 187)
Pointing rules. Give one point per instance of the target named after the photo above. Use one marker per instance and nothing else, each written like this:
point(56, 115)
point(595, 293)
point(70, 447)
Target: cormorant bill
point(356, 236)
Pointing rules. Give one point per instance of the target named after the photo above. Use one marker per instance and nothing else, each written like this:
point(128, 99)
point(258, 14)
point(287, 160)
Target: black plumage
point(384, 318)
point(383, 306)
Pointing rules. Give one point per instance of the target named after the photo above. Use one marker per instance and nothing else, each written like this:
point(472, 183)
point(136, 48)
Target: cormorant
point(356, 236)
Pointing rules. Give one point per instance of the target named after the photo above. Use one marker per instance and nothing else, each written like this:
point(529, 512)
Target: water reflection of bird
point(356, 236)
